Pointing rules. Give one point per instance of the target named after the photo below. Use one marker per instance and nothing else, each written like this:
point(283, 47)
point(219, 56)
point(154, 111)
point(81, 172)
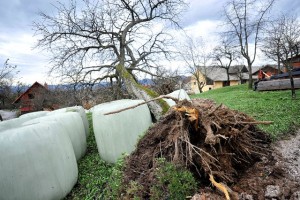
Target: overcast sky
point(17, 37)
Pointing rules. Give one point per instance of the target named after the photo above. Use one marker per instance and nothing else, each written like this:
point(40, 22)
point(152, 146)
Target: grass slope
point(276, 106)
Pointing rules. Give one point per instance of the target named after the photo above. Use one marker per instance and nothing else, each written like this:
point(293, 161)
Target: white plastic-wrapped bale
point(34, 115)
point(78, 109)
point(73, 127)
point(12, 123)
point(118, 133)
point(36, 162)
point(180, 94)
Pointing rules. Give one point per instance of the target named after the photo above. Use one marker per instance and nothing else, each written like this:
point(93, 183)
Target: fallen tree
point(213, 142)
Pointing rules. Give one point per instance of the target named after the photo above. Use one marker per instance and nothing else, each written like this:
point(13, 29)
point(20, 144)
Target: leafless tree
point(109, 39)
point(289, 44)
point(245, 20)
point(196, 58)
point(272, 42)
point(7, 74)
point(166, 81)
point(224, 55)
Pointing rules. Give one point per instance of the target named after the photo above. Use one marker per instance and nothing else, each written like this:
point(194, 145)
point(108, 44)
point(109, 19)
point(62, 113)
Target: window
point(31, 96)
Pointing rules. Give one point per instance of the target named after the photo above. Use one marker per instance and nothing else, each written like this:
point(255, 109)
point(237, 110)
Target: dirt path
point(290, 151)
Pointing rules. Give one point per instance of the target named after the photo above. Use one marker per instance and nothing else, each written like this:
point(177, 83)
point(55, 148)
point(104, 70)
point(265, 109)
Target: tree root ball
point(203, 137)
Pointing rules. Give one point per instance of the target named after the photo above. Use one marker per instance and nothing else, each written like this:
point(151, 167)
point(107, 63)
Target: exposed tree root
point(212, 141)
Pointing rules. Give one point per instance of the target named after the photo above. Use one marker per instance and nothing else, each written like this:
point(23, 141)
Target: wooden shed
point(33, 98)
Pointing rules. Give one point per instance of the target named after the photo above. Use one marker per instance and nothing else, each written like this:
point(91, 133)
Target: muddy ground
point(276, 176)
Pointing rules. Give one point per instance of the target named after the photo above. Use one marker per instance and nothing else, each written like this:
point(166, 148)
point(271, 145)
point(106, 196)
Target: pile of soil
point(209, 140)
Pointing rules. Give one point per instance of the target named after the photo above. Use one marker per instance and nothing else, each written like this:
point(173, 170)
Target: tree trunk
point(292, 85)
point(250, 83)
point(228, 79)
point(157, 108)
point(200, 85)
point(278, 65)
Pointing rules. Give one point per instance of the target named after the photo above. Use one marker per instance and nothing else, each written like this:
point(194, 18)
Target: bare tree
point(245, 20)
point(282, 43)
point(196, 57)
point(289, 44)
point(109, 39)
point(224, 55)
point(272, 42)
point(166, 81)
point(7, 75)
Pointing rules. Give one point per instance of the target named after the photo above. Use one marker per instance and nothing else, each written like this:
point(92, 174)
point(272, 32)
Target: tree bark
point(250, 84)
point(292, 85)
point(157, 108)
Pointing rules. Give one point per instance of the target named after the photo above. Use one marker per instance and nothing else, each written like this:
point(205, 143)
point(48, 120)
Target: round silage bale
point(118, 133)
point(78, 109)
point(73, 127)
point(36, 162)
point(11, 123)
point(34, 115)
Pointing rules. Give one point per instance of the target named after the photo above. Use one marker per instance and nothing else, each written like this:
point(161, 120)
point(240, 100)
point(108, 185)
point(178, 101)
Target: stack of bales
point(38, 151)
point(38, 154)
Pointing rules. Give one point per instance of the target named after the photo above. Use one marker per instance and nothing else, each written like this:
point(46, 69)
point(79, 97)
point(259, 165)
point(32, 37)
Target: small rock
point(244, 196)
point(295, 196)
point(272, 191)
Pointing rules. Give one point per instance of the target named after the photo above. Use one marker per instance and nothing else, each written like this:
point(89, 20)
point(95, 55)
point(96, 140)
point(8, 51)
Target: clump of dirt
point(212, 141)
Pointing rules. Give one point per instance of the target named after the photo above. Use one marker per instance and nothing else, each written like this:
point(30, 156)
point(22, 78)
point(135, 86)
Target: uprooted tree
point(109, 40)
point(212, 141)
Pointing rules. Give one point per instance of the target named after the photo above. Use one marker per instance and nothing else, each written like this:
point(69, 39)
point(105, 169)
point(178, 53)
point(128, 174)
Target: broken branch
point(139, 104)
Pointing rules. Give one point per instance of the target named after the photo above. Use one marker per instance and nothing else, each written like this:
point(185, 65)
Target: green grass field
point(276, 106)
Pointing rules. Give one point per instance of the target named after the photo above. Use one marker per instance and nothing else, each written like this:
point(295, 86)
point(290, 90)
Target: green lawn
point(276, 106)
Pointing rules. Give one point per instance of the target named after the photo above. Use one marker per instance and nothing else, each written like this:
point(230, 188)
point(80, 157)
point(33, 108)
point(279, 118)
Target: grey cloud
point(17, 15)
point(202, 10)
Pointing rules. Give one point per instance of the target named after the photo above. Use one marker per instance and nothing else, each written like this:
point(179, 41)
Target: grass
point(94, 173)
point(276, 106)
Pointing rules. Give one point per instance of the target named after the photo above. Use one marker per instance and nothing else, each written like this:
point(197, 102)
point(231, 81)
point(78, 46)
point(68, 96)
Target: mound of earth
point(217, 144)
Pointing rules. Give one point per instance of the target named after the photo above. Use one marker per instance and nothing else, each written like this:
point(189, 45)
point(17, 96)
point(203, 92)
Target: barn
point(33, 99)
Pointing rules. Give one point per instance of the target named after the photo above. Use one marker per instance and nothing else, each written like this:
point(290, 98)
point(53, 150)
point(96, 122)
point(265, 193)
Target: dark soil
point(211, 140)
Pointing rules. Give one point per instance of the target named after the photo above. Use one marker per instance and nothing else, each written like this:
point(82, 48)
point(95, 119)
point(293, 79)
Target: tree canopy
point(109, 39)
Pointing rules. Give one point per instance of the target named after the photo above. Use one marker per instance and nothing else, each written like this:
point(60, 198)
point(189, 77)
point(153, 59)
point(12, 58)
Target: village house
point(217, 77)
point(295, 62)
point(35, 98)
point(265, 71)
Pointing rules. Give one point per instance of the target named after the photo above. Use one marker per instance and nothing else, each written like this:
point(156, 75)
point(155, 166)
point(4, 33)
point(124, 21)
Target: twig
point(139, 104)
point(214, 110)
point(256, 122)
